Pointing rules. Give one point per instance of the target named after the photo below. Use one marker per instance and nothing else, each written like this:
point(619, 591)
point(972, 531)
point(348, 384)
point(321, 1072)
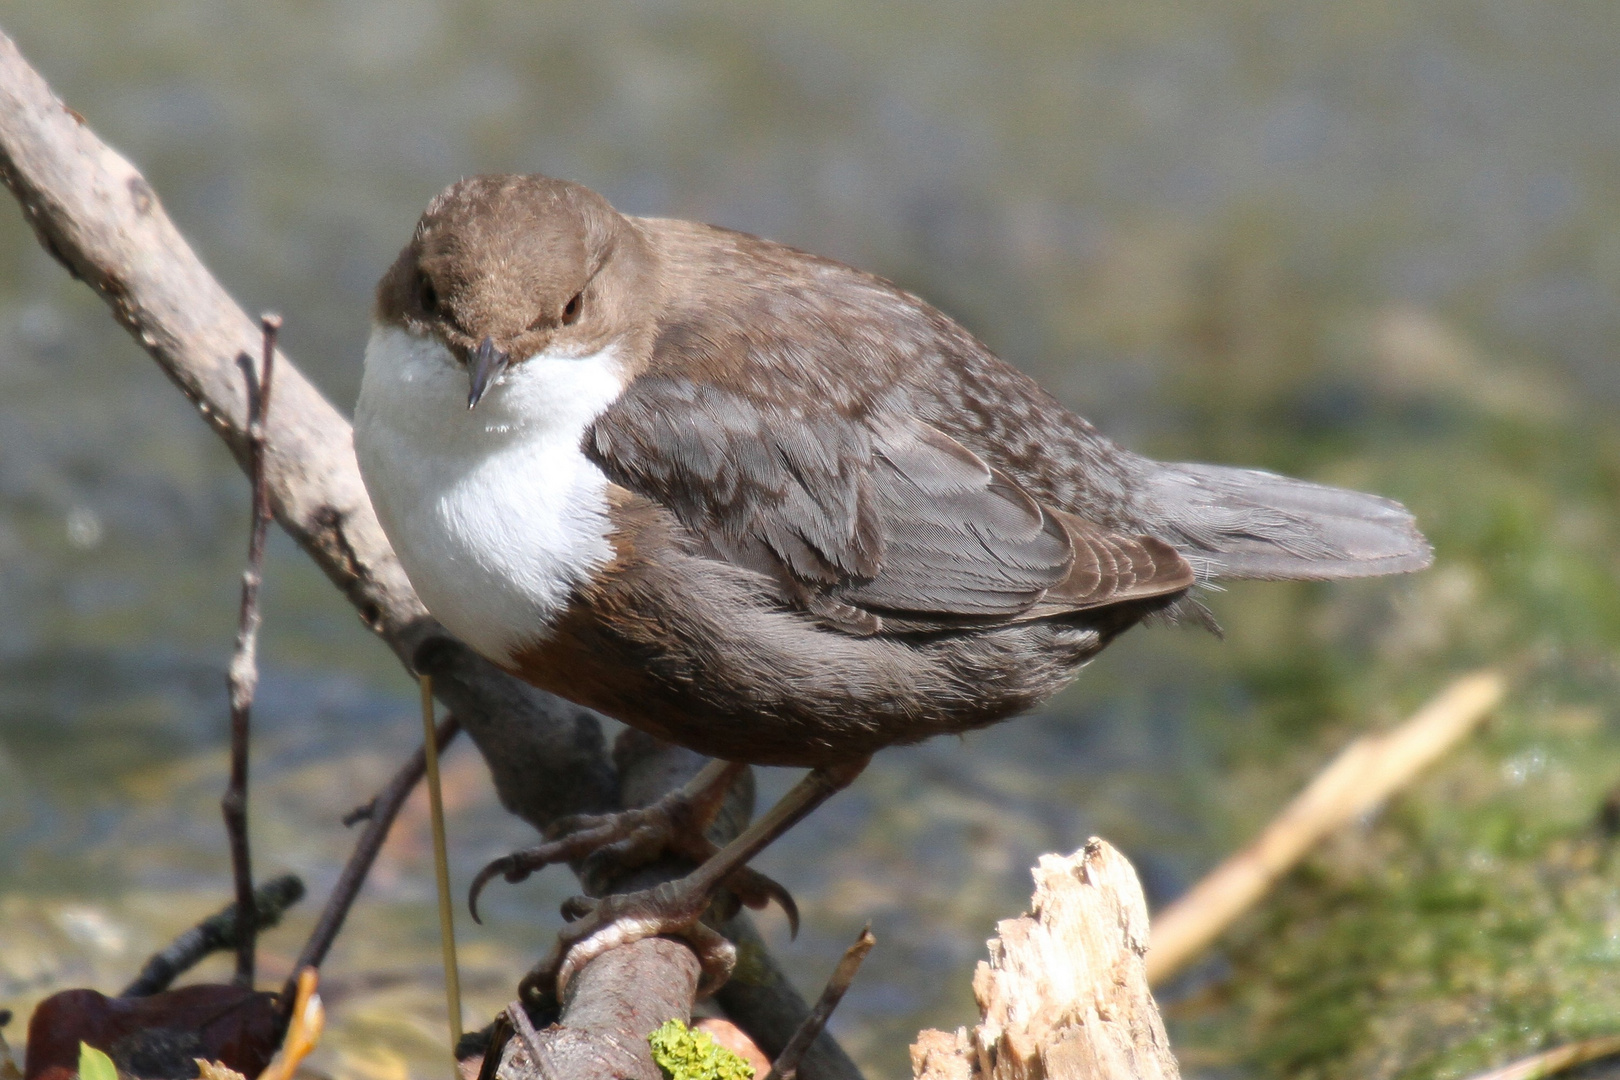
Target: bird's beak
point(487, 364)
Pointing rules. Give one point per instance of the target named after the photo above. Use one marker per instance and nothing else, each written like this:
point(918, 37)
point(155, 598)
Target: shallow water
point(1370, 243)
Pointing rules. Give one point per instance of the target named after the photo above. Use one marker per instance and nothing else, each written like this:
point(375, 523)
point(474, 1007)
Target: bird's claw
point(514, 868)
point(624, 835)
point(756, 890)
point(577, 907)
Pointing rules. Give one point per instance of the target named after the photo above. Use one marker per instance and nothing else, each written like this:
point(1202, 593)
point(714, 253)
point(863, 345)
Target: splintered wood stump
point(1064, 995)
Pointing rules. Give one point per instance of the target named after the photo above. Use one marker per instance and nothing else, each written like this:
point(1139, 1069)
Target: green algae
point(1476, 919)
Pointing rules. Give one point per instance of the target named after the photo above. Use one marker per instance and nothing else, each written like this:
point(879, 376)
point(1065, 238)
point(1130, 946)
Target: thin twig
point(500, 1031)
point(523, 1027)
point(786, 1066)
point(1366, 773)
point(360, 813)
point(213, 934)
point(441, 869)
point(1556, 1060)
point(387, 804)
point(243, 677)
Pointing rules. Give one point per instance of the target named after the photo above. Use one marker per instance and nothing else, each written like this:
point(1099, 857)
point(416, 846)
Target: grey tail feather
point(1245, 523)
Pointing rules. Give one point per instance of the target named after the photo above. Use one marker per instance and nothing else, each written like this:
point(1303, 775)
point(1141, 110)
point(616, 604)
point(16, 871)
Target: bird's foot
point(603, 846)
point(674, 908)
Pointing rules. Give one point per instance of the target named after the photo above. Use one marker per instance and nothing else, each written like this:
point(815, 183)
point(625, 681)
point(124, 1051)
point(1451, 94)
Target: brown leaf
point(157, 1037)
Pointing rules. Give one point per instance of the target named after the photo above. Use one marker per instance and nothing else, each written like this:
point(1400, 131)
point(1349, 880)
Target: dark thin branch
point(243, 678)
point(786, 1066)
point(385, 807)
point(517, 1016)
point(762, 1001)
point(491, 1043)
point(213, 934)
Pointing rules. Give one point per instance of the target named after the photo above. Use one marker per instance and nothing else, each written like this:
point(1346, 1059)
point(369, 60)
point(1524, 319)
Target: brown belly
point(721, 674)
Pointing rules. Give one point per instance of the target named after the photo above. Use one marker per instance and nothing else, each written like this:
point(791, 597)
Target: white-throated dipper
point(766, 506)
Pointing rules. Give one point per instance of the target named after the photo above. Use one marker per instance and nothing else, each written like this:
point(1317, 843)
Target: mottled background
point(1370, 242)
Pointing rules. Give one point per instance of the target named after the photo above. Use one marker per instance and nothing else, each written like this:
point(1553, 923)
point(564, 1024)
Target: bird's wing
point(861, 518)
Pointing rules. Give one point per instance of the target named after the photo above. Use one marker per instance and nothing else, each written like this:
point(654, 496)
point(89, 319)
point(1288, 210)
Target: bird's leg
point(675, 907)
point(673, 825)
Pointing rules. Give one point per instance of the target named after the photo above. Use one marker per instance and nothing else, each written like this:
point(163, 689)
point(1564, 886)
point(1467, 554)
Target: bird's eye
point(429, 296)
point(571, 310)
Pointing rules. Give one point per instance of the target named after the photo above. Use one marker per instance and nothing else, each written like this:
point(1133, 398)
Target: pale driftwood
point(1064, 995)
point(100, 218)
point(1362, 776)
point(1556, 1060)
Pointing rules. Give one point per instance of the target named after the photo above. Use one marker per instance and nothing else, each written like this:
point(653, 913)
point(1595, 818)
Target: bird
point(769, 507)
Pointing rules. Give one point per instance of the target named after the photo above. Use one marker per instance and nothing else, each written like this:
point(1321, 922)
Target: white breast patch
point(495, 512)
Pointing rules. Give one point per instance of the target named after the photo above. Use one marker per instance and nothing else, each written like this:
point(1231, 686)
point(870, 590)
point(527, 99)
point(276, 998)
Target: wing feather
point(859, 518)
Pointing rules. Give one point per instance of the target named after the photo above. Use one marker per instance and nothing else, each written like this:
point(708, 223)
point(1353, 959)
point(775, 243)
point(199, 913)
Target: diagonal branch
point(100, 218)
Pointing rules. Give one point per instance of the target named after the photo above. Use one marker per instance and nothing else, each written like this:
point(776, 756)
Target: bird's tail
point(1245, 523)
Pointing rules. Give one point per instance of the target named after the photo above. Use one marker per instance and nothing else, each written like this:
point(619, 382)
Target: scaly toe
point(717, 956)
point(630, 838)
point(671, 908)
point(517, 867)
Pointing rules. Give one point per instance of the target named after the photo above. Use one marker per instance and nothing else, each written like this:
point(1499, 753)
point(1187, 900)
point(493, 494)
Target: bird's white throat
point(495, 512)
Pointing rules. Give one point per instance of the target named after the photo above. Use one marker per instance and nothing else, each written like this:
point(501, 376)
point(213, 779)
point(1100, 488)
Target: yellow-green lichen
point(685, 1054)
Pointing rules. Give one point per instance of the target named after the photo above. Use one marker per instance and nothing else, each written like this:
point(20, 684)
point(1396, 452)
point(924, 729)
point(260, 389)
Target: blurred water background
point(1367, 242)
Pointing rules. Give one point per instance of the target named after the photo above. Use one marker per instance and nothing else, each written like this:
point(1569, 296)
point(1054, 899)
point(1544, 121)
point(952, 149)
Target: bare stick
point(385, 808)
point(1556, 1060)
point(243, 677)
point(522, 1026)
point(214, 933)
point(760, 1000)
point(786, 1065)
point(441, 868)
point(1364, 775)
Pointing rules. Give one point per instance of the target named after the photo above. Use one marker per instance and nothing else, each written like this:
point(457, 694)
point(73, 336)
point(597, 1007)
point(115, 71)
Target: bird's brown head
point(502, 268)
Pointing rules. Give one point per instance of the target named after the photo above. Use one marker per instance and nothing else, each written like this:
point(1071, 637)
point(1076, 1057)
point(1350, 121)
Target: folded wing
point(863, 522)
